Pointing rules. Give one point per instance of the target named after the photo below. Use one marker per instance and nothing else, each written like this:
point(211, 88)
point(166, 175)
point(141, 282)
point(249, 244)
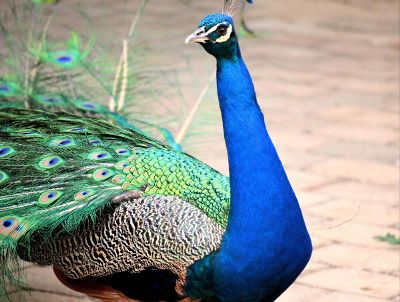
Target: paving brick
point(43, 296)
point(42, 278)
point(354, 233)
point(341, 113)
point(317, 222)
point(314, 266)
point(355, 84)
point(363, 193)
point(350, 256)
point(345, 297)
point(355, 282)
point(357, 115)
point(358, 133)
point(317, 241)
point(368, 213)
point(385, 153)
point(358, 170)
point(298, 140)
point(396, 299)
point(309, 199)
point(303, 293)
point(301, 180)
point(298, 160)
point(334, 98)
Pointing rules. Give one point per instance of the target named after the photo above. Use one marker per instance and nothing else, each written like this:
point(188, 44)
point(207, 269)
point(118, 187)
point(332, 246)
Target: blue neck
point(266, 242)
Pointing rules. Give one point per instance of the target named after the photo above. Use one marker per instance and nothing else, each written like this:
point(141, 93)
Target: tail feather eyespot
point(63, 142)
point(84, 194)
point(118, 179)
point(8, 225)
point(26, 132)
point(19, 230)
point(6, 151)
point(123, 151)
point(87, 105)
point(99, 155)
point(76, 129)
point(49, 100)
point(49, 197)
point(50, 162)
point(121, 165)
point(3, 177)
point(102, 174)
point(94, 141)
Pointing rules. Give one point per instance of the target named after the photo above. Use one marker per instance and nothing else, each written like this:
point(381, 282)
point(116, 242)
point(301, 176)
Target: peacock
point(119, 214)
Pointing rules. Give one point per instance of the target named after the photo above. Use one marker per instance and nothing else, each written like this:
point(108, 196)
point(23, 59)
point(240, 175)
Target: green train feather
point(75, 75)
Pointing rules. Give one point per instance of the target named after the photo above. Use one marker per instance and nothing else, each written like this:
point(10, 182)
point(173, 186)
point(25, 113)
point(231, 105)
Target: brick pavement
point(327, 75)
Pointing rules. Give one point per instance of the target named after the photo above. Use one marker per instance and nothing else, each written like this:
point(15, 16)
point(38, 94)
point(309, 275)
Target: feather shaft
point(186, 125)
point(121, 100)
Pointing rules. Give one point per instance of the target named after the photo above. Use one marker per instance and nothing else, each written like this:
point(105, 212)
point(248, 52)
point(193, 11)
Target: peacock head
point(216, 33)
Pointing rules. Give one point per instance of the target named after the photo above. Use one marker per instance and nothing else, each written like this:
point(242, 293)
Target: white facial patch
point(227, 35)
point(223, 38)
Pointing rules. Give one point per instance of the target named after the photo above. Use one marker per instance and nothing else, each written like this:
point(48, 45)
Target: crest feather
point(231, 7)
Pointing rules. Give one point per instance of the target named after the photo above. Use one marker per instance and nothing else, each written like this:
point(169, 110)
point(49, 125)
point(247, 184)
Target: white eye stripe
point(223, 38)
point(214, 28)
point(227, 35)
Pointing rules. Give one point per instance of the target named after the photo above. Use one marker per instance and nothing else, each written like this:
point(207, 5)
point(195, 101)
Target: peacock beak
point(199, 36)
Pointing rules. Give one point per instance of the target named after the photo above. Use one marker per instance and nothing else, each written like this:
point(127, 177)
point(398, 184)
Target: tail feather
point(74, 76)
point(56, 173)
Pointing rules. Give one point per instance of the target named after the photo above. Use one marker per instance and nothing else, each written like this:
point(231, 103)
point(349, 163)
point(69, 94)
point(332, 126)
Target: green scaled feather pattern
point(58, 170)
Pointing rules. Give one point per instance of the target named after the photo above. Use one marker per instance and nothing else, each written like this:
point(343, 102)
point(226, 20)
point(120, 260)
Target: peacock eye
point(222, 30)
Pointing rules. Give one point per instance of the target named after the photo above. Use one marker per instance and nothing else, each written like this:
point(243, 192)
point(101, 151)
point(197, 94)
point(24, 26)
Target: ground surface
point(327, 75)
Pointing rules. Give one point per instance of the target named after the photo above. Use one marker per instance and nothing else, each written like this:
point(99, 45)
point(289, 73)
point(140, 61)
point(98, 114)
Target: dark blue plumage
point(266, 244)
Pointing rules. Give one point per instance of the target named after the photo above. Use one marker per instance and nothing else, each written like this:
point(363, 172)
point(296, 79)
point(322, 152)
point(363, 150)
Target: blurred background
point(327, 77)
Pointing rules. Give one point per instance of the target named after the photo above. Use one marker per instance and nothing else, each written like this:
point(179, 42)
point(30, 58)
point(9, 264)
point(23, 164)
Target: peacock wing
point(58, 170)
point(142, 247)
